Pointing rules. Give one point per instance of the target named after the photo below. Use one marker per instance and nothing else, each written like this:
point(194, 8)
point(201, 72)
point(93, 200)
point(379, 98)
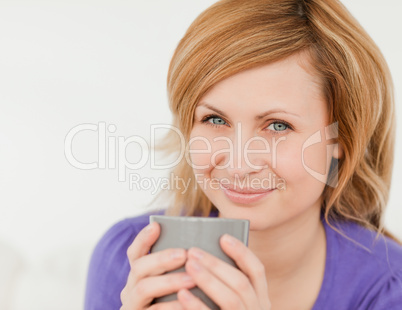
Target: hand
point(229, 287)
point(146, 280)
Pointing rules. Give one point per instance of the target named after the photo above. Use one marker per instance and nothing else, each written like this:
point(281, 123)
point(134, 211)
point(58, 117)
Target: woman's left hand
point(229, 287)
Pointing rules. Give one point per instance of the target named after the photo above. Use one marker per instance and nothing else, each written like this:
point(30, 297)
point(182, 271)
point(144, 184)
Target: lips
point(241, 190)
point(245, 195)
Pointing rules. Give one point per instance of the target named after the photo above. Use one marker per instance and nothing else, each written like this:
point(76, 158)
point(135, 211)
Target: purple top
point(355, 278)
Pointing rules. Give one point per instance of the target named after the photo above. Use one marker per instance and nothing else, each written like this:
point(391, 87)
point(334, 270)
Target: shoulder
point(109, 266)
point(364, 243)
point(115, 241)
point(123, 230)
point(370, 266)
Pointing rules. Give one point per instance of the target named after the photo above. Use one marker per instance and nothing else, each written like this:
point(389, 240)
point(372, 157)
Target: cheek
point(297, 161)
point(285, 160)
point(201, 150)
point(200, 155)
point(315, 158)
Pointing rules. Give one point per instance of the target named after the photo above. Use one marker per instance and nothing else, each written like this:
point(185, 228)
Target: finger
point(169, 305)
point(143, 242)
point(249, 264)
point(156, 264)
point(149, 288)
point(189, 301)
point(218, 291)
point(229, 275)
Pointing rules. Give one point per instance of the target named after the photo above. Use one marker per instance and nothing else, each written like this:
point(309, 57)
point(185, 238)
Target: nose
point(251, 154)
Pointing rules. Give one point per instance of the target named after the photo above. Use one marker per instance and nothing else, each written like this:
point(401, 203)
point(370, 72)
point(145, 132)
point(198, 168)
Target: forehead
point(290, 84)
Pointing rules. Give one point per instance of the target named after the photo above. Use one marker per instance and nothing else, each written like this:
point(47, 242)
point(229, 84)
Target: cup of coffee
point(201, 232)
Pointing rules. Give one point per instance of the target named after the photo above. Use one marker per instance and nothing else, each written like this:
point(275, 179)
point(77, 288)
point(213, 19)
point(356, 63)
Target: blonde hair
point(235, 35)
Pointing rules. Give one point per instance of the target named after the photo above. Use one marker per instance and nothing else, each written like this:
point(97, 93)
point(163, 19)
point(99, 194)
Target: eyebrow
point(258, 117)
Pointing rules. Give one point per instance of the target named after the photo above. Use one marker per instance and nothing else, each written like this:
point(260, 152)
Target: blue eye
point(278, 126)
point(215, 120)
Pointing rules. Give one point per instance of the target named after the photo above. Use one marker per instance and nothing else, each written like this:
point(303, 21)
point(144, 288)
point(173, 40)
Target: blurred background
point(65, 63)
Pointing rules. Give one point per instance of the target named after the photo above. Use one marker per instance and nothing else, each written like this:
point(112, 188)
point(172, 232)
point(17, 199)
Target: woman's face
point(259, 146)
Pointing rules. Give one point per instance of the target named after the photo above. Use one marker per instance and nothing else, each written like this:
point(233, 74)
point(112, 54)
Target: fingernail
point(148, 229)
point(194, 265)
point(229, 239)
point(186, 295)
point(196, 253)
point(176, 254)
point(187, 279)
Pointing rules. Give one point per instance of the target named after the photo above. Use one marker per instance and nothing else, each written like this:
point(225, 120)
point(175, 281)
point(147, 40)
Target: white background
point(64, 63)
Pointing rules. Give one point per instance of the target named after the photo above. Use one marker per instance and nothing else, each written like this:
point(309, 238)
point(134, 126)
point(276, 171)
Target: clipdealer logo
point(112, 151)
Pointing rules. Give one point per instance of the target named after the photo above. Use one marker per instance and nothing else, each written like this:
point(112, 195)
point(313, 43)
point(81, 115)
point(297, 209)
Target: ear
point(337, 151)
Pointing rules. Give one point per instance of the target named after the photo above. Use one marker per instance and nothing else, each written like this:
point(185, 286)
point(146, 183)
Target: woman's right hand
point(146, 279)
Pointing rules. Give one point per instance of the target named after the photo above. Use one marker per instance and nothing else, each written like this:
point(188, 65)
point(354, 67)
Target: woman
point(288, 106)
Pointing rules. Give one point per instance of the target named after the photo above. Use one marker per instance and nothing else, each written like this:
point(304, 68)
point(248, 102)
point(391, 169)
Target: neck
point(292, 252)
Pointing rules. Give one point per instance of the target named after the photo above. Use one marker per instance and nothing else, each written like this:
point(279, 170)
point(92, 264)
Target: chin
point(257, 220)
